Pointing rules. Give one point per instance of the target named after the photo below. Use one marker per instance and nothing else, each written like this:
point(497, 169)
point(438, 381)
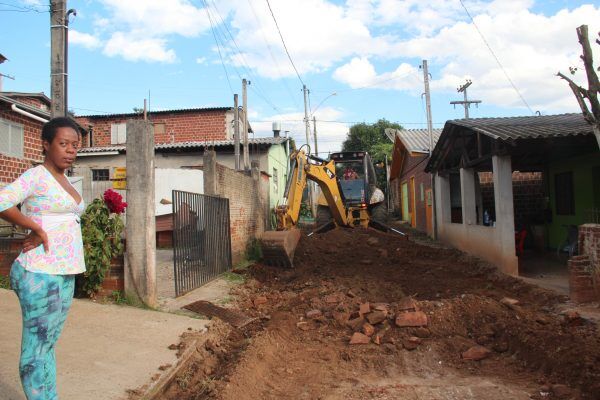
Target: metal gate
point(201, 239)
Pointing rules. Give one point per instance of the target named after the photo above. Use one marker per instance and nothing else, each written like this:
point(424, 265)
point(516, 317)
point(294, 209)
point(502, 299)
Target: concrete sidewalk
point(103, 351)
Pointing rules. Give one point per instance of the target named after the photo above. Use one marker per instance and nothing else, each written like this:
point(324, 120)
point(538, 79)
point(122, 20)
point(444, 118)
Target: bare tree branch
point(580, 93)
point(592, 77)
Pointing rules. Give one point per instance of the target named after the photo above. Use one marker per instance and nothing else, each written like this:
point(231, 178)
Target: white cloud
point(84, 39)
point(201, 60)
point(360, 73)
point(150, 49)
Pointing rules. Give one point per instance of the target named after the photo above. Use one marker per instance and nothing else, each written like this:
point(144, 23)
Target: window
point(11, 139)
point(275, 181)
point(118, 133)
point(422, 192)
point(100, 175)
point(565, 199)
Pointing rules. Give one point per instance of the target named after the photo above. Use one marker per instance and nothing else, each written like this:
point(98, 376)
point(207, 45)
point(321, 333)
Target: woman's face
point(63, 148)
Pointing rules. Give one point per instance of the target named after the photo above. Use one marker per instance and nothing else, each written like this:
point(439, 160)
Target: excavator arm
point(305, 168)
point(278, 247)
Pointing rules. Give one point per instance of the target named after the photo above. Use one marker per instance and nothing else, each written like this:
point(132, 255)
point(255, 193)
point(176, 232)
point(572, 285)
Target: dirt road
point(365, 286)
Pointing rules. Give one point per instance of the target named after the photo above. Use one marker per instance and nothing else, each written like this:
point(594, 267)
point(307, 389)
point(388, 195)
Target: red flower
point(114, 201)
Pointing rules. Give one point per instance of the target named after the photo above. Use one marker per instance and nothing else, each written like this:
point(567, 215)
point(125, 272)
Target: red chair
point(520, 241)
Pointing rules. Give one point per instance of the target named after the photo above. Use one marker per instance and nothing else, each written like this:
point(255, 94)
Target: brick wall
point(584, 269)
point(178, 127)
point(528, 195)
point(246, 202)
point(12, 167)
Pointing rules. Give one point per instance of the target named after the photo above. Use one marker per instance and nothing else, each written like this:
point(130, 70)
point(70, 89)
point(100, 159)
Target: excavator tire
point(278, 247)
point(323, 215)
point(379, 213)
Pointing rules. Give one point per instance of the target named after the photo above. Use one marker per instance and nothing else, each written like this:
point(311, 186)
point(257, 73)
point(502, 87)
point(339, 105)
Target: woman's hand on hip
point(34, 239)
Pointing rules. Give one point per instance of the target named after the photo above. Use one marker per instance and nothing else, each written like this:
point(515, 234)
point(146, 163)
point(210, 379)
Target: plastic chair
point(570, 244)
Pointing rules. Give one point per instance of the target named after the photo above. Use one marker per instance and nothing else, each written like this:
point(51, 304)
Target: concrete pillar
point(467, 194)
point(140, 268)
point(505, 218)
point(442, 201)
point(210, 172)
point(479, 199)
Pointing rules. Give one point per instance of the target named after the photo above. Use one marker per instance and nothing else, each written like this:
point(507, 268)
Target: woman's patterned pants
point(45, 300)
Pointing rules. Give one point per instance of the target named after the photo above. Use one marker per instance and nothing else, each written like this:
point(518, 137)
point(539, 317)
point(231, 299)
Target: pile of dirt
point(371, 315)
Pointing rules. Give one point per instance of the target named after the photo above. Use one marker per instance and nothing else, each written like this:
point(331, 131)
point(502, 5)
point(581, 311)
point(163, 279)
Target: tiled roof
point(189, 145)
point(417, 140)
point(531, 127)
point(24, 106)
point(180, 110)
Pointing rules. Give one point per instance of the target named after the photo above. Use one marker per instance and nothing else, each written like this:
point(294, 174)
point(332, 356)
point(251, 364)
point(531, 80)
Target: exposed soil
point(300, 348)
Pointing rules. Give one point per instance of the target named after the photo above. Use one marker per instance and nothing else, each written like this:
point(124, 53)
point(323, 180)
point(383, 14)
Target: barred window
point(11, 139)
point(100, 175)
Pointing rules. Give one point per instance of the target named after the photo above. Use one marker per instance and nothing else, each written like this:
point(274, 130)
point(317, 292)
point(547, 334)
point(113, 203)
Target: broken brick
point(341, 317)
point(364, 308)
point(332, 298)
point(359, 338)
point(422, 332)
point(411, 343)
point(314, 314)
point(411, 319)
point(507, 301)
point(356, 323)
point(368, 329)
point(304, 326)
point(408, 304)
point(476, 353)
point(376, 317)
point(259, 300)
point(372, 241)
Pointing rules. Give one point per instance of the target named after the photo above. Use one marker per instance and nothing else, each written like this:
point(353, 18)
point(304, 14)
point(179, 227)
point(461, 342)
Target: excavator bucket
point(278, 247)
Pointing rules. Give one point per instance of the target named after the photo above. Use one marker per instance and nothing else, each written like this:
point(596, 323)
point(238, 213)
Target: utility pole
point(315, 135)
point(430, 132)
point(58, 15)
point(307, 130)
point(466, 102)
point(236, 131)
point(245, 133)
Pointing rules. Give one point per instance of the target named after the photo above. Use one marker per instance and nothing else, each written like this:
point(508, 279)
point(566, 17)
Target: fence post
point(210, 172)
point(140, 268)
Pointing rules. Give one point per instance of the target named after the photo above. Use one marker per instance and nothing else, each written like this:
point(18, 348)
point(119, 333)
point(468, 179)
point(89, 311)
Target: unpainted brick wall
point(528, 194)
point(11, 167)
point(584, 269)
point(246, 194)
point(179, 127)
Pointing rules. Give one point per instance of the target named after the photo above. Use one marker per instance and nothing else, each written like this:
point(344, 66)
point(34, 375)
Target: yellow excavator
point(349, 197)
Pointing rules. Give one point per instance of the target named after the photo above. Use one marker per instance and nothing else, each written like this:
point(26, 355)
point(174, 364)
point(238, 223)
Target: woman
point(43, 275)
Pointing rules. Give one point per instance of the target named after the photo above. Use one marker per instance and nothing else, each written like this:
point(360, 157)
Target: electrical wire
point(218, 47)
point(496, 58)
point(283, 41)
point(23, 8)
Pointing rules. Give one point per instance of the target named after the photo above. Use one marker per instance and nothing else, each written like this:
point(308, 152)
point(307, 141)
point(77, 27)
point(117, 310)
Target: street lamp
point(323, 101)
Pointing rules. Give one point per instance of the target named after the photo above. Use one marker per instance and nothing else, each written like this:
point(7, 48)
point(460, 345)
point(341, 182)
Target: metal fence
point(201, 239)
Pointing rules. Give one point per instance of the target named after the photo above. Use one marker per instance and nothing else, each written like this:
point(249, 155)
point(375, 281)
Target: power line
point(294, 100)
point(23, 8)
point(217, 43)
point(496, 58)
point(283, 41)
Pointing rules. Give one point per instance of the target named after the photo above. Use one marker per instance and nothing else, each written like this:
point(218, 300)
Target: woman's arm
point(37, 235)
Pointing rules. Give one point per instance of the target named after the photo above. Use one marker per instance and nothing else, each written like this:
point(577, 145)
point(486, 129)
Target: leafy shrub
point(101, 228)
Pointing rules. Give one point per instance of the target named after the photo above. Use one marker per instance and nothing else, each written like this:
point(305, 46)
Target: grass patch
point(233, 277)
point(4, 282)
point(225, 300)
point(122, 299)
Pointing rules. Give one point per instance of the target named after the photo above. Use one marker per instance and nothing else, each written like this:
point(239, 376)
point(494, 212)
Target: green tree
point(371, 138)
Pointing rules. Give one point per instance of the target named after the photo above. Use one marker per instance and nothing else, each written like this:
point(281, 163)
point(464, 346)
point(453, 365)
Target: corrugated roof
point(133, 114)
point(189, 145)
point(417, 140)
point(530, 127)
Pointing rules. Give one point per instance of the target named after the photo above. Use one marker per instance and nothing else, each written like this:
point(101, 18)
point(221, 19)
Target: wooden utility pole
point(58, 28)
point(307, 131)
point(466, 102)
point(430, 132)
point(245, 133)
point(236, 131)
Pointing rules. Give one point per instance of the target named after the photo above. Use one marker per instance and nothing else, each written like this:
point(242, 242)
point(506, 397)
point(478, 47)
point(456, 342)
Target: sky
point(360, 59)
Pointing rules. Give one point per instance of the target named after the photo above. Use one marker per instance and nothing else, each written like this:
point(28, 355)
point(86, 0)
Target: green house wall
point(277, 160)
point(586, 190)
